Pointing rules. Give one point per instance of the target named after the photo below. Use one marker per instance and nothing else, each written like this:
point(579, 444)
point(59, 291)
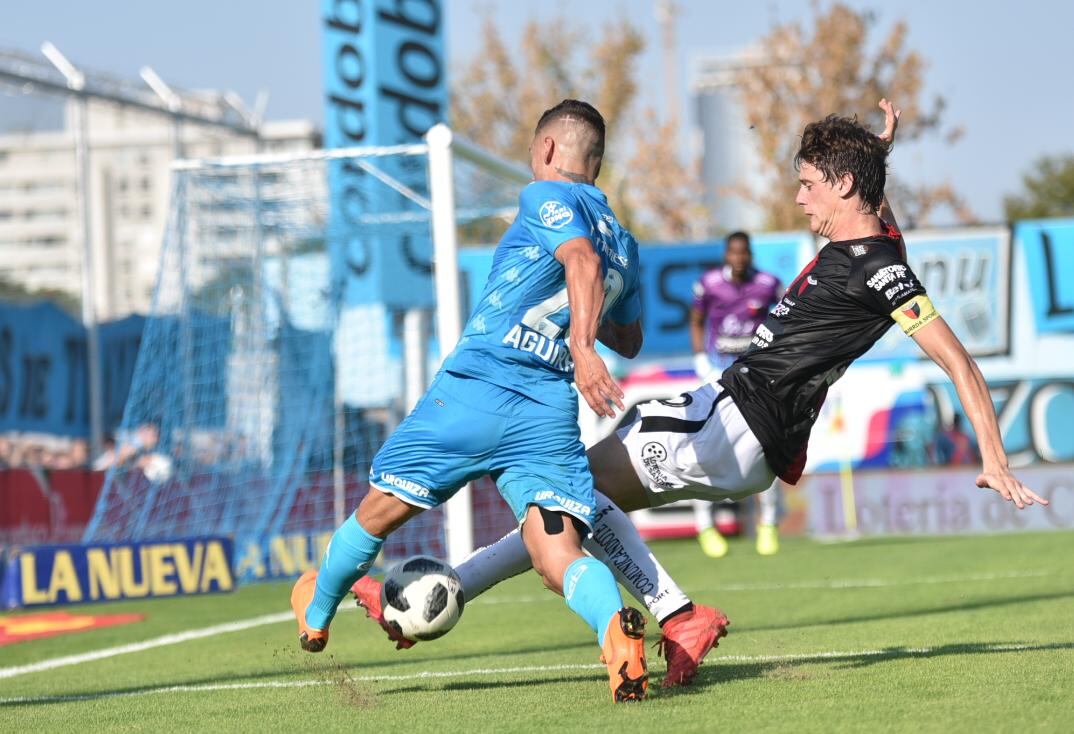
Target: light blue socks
point(591, 593)
point(348, 557)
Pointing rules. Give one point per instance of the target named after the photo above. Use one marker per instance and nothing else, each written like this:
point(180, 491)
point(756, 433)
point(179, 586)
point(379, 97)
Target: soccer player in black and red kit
point(733, 435)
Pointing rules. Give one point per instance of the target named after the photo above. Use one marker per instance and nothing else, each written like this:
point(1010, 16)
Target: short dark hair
point(836, 146)
point(579, 110)
point(739, 235)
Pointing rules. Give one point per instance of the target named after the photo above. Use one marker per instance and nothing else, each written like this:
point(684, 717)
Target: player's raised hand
point(595, 384)
point(1009, 488)
point(891, 120)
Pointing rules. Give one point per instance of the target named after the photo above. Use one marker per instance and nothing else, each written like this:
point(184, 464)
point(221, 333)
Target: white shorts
point(696, 446)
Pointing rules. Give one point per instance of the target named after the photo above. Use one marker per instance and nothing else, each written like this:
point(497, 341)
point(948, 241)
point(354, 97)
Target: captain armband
point(914, 314)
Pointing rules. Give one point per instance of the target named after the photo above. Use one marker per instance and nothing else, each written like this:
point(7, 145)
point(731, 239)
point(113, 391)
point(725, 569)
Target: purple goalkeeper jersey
point(733, 311)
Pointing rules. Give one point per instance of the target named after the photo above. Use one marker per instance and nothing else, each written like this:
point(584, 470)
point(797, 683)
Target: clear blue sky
point(1000, 65)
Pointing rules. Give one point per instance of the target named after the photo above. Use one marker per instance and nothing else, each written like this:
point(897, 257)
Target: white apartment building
point(130, 154)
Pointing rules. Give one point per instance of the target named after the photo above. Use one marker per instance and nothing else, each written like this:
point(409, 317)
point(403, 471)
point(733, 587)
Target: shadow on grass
point(725, 672)
point(904, 613)
point(581, 677)
point(796, 668)
point(782, 667)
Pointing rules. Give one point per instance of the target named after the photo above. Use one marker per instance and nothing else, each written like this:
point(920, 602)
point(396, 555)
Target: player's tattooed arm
point(944, 348)
point(585, 296)
point(623, 339)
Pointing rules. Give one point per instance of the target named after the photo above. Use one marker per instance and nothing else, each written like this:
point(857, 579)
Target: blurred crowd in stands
point(44, 451)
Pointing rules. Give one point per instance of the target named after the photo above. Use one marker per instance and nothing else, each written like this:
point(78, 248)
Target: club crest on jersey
point(555, 214)
point(912, 310)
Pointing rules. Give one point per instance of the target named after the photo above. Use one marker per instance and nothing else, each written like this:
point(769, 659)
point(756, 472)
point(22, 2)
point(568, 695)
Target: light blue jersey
point(517, 336)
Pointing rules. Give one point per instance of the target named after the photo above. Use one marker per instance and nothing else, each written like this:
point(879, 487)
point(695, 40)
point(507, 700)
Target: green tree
point(1048, 190)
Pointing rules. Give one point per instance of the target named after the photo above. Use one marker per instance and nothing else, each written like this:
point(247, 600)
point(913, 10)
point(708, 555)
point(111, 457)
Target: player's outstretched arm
point(891, 124)
point(585, 296)
point(944, 348)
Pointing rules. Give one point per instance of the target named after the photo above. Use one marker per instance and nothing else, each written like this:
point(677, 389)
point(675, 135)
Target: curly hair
point(836, 146)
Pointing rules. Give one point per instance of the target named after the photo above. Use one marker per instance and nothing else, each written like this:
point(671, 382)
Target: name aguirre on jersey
point(552, 352)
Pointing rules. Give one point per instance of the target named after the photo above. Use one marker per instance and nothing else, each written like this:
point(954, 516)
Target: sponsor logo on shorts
point(573, 507)
point(652, 454)
point(555, 214)
point(404, 484)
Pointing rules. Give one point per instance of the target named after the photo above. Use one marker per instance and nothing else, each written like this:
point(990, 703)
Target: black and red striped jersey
point(833, 312)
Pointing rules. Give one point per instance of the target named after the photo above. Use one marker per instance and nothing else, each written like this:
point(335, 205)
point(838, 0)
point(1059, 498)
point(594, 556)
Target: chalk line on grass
point(439, 674)
point(219, 629)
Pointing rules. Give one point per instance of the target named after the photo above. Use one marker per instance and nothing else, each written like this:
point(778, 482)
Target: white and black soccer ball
point(422, 598)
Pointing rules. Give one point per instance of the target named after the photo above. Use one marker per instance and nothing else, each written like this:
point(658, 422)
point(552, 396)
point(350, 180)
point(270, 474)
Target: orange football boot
point(301, 595)
point(624, 654)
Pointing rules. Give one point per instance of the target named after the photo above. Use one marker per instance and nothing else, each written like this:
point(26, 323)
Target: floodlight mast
point(78, 87)
point(76, 82)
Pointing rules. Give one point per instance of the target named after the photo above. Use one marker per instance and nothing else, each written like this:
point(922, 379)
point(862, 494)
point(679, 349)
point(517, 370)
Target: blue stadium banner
point(1049, 258)
point(967, 273)
point(280, 556)
point(385, 83)
point(70, 574)
point(669, 272)
point(668, 275)
point(43, 375)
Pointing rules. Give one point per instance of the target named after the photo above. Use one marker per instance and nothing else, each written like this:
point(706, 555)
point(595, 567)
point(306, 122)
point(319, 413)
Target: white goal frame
point(440, 146)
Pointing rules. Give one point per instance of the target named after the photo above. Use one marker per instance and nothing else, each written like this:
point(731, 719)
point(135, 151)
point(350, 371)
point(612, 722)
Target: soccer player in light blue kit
point(502, 403)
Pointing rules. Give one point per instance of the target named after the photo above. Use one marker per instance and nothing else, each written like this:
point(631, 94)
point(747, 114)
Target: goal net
point(281, 350)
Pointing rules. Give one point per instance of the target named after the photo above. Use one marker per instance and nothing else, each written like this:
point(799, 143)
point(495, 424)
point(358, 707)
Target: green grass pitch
point(936, 634)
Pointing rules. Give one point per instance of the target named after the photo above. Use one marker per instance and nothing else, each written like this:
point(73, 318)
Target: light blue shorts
point(464, 428)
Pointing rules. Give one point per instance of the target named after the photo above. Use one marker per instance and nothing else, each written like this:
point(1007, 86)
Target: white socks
point(615, 541)
point(488, 566)
point(768, 508)
point(768, 505)
point(702, 514)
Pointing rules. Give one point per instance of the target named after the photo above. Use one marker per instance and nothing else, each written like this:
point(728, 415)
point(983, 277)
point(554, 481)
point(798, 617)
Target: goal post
point(263, 387)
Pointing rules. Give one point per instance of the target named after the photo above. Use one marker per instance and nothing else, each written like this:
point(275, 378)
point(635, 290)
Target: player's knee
point(553, 540)
point(381, 513)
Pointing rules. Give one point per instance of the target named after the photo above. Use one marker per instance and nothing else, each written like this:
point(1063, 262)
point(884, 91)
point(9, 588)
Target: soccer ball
point(422, 598)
